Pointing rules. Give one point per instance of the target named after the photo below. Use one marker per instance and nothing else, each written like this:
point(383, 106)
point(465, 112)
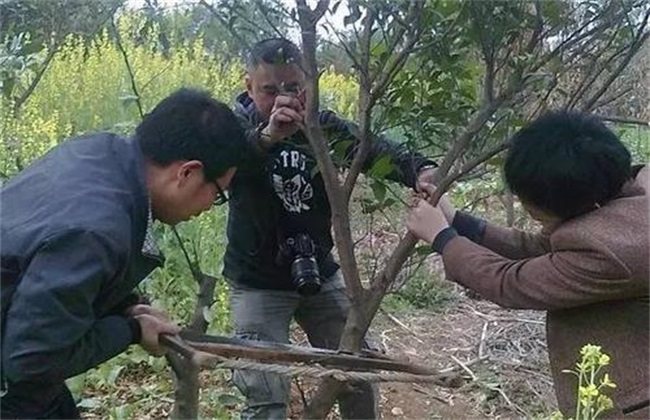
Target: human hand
point(287, 116)
point(444, 204)
point(141, 309)
point(425, 176)
point(426, 221)
point(151, 327)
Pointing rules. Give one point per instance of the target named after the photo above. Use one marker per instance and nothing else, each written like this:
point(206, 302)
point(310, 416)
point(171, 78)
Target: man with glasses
point(222, 197)
point(76, 240)
point(278, 259)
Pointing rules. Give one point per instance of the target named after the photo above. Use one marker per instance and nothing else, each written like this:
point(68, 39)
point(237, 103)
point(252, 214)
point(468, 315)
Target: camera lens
point(305, 275)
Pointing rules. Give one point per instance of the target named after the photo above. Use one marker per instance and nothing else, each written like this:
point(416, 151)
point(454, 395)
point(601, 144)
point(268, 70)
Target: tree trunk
point(186, 387)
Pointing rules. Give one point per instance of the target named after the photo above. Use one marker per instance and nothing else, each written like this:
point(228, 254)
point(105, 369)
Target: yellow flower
point(604, 402)
point(607, 382)
point(589, 391)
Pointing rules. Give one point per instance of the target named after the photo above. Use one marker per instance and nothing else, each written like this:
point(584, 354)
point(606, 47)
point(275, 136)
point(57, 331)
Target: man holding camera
point(278, 260)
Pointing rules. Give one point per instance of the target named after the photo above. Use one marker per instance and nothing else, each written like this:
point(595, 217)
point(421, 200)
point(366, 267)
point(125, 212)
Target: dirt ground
point(501, 355)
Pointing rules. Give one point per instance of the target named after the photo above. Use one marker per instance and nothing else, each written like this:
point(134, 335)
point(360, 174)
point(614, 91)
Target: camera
point(304, 268)
point(292, 90)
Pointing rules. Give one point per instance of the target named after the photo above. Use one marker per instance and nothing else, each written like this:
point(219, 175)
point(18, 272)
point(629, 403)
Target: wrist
point(442, 238)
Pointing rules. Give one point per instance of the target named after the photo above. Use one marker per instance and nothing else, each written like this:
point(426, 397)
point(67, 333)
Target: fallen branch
point(428, 393)
point(481, 346)
point(401, 325)
point(624, 120)
point(506, 319)
point(464, 367)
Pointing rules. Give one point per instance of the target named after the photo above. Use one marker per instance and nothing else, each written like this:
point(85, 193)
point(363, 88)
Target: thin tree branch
point(397, 64)
point(267, 17)
point(346, 47)
point(54, 48)
point(365, 108)
point(223, 21)
point(636, 44)
point(624, 120)
point(134, 87)
point(613, 98)
point(39, 75)
point(320, 10)
point(193, 264)
point(594, 71)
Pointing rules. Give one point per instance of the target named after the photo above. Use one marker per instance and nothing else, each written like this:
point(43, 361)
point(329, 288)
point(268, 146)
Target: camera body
point(305, 276)
point(289, 90)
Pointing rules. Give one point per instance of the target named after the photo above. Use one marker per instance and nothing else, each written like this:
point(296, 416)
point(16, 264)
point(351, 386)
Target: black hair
point(191, 125)
point(276, 51)
point(566, 163)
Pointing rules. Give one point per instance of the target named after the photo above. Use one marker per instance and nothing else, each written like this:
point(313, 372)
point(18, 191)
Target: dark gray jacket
point(281, 193)
point(72, 229)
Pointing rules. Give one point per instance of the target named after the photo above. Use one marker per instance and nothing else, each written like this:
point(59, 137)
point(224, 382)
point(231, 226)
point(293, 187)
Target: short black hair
point(192, 125)
point(276, 51)
point(566, 163)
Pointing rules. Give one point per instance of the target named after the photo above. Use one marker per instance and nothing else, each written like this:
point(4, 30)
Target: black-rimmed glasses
point(222, 197)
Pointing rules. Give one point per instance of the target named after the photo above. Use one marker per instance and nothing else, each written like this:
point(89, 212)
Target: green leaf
point(379, 191)
point(89, 403)
point(424, 250)
point(381, 167)
point(228, 400)
point(497, 161)
point(340, 148)
point(113, 374)
point(369, 206)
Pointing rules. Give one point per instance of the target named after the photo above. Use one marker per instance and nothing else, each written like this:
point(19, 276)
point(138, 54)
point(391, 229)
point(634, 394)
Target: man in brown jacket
point(588, 268)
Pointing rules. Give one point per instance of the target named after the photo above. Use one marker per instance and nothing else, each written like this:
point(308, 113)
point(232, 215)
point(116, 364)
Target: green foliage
point(436, 92)
point(225, 27)
point(17, 64)
point(173, 287)
point(423, 291)
point(592, 384)
point(637, 140)
point(50, 21)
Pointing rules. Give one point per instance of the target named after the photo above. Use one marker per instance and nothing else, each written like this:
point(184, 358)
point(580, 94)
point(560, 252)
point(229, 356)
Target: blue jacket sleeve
point(51, 329)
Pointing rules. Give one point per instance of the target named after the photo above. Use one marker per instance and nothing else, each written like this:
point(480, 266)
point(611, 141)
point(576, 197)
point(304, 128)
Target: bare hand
point(425, 177)
point(141, 309)
point(287, 116)
point(425, 221)
point(152, 327)
point(445, 205)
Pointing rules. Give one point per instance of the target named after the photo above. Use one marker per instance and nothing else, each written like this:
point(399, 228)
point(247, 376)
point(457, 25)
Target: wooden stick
point(198, 358)
point(465, 368)
point(426, 392)
point(340, 360)
point(481, 346)
point(401, 325)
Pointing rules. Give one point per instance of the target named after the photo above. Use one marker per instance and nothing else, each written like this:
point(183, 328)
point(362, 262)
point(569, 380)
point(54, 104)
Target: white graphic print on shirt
point(291, 181)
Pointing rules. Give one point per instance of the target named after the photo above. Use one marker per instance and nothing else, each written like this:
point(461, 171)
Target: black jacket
point(73, 225)
point(280, 194)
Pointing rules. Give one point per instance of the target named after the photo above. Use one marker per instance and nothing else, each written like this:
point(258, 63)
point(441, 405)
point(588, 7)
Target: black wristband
point(442, 238)
point(469, 226)
point(136, 330)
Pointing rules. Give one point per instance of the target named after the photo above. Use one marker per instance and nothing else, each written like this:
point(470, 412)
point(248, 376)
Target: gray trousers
point(266, 315)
